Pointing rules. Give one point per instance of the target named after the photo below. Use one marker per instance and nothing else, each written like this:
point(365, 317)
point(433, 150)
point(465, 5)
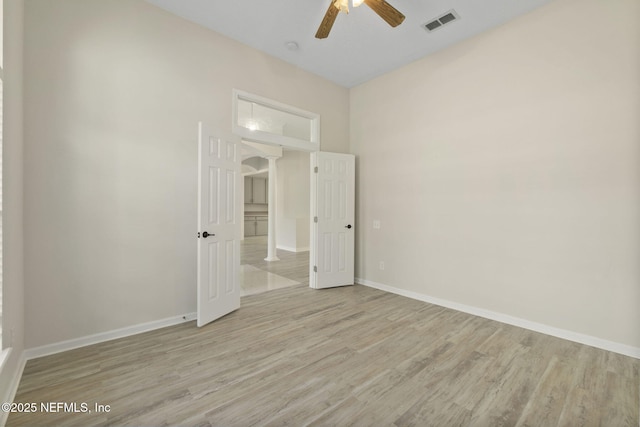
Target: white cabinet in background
point(256, 225)
point(248, 189)
point(249, 226)
point(260, 191)
point(255, 190)
point(262, 226)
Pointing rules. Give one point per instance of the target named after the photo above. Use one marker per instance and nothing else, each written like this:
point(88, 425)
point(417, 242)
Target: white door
point(218, 226)
point(333, 213)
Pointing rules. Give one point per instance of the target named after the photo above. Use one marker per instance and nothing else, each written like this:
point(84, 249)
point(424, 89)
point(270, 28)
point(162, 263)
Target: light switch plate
point(376, 224)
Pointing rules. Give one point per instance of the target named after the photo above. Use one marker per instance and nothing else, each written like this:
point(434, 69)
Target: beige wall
point(12, 223)
point(114, 90)
point(505, 171)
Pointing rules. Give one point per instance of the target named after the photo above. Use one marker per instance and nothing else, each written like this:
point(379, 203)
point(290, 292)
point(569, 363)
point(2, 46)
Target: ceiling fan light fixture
point(342, 5)
point(384, 10)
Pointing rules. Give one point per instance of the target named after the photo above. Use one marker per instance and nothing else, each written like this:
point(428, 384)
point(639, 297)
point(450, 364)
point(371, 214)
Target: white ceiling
point(361, 45)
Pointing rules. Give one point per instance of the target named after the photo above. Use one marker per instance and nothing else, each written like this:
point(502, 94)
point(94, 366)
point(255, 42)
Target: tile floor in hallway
point(258, 275)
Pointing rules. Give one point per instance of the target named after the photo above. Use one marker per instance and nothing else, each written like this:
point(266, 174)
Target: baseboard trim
point(10, 393)
point(292, 249)
point(46, 350)
point(589, 340)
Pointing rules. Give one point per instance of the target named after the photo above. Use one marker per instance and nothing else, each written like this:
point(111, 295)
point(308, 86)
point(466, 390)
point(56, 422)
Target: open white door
point(218, 226)
point(333, 213)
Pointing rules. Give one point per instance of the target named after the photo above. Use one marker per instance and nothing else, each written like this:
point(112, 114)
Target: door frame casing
point(310, 147)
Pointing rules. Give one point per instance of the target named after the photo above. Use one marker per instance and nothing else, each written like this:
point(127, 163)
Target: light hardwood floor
point(344, 356)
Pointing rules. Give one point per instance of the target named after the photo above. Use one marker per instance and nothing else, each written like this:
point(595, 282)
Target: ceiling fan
point(387, 12)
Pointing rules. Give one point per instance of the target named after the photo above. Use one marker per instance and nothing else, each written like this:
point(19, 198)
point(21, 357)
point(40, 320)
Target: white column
point(271, 245)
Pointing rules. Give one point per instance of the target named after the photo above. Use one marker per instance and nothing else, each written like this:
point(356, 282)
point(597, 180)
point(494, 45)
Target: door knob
point(348, 226)
point(205, 234)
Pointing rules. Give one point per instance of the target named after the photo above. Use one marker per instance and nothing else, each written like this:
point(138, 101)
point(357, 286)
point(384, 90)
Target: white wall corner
point(589, 340)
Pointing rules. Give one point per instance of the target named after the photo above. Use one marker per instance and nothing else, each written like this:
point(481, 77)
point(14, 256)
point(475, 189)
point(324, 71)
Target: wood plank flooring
point(345, 356)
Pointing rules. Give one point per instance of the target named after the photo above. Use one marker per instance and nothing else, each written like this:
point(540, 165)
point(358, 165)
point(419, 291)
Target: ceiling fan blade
point(327, 21)
point(387, 12)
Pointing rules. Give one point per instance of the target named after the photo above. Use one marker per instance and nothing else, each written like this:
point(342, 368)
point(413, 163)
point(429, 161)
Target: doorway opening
point(269, 127)
point(292, 224)
point(331, 186)
point(282, 233)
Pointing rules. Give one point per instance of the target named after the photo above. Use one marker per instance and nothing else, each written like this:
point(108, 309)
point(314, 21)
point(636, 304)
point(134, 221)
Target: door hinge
point(315, 268)
point(315, 219)
point(315, 169)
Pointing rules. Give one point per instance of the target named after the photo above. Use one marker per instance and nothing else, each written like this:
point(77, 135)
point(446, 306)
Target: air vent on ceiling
point(444, 19)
